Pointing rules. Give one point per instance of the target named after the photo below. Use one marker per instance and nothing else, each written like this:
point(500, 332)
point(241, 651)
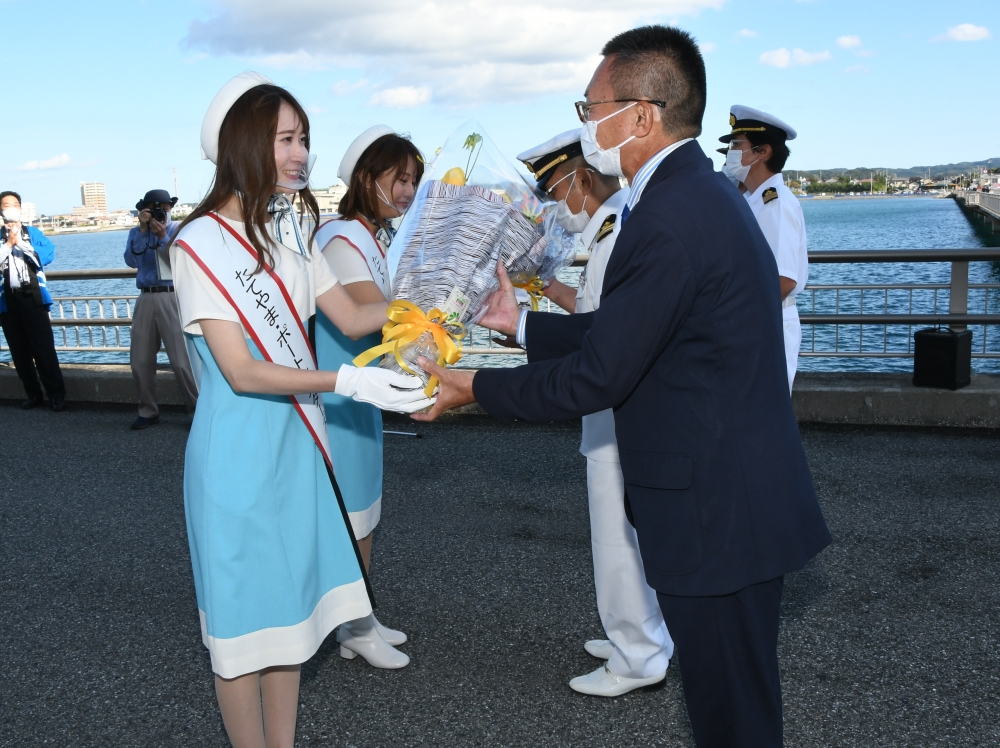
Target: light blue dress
point(274, 567)
point(355, 430)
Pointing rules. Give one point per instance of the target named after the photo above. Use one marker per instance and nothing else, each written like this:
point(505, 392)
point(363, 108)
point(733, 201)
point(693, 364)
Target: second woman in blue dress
point(382, 170)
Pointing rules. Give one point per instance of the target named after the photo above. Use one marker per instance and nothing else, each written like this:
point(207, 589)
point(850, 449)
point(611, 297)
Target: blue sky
point(115, 91)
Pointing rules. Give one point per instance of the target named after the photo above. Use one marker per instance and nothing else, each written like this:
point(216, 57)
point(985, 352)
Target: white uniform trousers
point(793, 341)
point(627, 605)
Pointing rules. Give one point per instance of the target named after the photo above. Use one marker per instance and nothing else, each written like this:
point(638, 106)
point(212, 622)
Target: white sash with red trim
point(358, 236)
point(263, 305)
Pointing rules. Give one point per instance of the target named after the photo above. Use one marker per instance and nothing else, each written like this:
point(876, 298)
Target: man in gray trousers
point(156, 317)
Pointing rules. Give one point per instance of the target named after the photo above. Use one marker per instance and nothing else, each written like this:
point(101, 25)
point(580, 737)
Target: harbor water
point(870, 223)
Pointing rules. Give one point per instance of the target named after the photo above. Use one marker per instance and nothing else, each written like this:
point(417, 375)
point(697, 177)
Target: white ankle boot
point(361, 637)
point(391, 636)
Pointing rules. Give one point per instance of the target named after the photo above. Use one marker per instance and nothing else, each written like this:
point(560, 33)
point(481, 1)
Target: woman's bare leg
point(365, 546)
point(279, 690)
point(239, 702)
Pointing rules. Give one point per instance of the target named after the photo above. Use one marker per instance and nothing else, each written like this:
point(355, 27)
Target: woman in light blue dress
point(275, 564)
point(382, 170)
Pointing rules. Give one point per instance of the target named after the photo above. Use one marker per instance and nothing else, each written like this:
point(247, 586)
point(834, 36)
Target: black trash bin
point(942, 358)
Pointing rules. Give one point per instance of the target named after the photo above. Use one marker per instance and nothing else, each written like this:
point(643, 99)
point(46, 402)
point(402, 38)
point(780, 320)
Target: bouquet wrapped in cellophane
point(472, 211)
point(560, 251)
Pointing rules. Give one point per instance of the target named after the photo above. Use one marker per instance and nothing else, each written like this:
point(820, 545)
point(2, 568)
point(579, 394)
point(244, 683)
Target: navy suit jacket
point(687, 347)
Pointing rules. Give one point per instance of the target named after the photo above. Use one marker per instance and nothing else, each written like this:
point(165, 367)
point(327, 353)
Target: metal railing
point(873, 320)
point(821, 306)
point(987, 202)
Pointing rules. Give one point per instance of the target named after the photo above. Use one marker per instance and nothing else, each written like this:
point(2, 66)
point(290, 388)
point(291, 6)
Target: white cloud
point(56, 162)
point(858, 69)
point(298, 60)
point(462, 52)
point(782, 58)
point(343, 88)
point(777, 58)
point(707, 47)
point(848, 42)
point(747, 33)
point(964, 32)
point(404, 97)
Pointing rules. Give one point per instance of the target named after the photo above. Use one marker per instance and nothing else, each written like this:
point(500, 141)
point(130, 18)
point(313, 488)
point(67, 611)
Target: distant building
point(92, 196)
point(28, 213)
point(85, 211)
point(182, 210)
point(329, 199)
point(122, 217)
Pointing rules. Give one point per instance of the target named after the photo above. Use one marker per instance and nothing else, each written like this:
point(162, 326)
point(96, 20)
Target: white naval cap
point(745, 119)
point(220, 106)
point(542, 160)
point(359, 146)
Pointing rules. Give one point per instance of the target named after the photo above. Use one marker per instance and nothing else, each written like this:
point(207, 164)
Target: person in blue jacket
point(24, 306)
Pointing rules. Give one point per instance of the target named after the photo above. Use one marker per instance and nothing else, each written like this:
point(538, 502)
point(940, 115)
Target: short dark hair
point(7, 193)
point(664, 64)
point(779, 150)
point(389, 153)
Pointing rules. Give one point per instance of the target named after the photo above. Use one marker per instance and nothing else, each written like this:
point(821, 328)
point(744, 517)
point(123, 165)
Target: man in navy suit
point(687, 348)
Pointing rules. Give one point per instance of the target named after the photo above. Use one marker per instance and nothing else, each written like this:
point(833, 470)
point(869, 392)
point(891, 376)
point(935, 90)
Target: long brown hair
point(388, 153)
point(246, 165)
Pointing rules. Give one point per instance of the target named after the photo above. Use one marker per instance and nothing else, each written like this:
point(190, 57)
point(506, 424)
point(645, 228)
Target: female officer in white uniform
point(756, 155)
point(638, 647)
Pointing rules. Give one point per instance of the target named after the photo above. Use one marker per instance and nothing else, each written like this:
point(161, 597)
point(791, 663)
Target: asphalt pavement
point(889, 637)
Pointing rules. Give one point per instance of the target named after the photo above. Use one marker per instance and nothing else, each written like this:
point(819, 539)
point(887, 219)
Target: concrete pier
point(839, 398)
point(888, 638)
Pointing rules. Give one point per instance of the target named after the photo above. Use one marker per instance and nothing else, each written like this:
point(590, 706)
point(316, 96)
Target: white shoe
point(602, 649)
point(602, 682)
point(392, 637)
point(361, 637)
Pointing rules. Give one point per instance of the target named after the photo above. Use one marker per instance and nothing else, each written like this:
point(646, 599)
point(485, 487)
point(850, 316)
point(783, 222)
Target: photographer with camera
point(24, 306)
point(156, 317)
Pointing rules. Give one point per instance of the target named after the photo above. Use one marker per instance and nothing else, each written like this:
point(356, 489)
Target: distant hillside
point(941, 171)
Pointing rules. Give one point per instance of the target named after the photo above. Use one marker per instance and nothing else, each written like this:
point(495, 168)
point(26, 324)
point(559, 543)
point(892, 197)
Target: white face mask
point(384, 199)
point(605, 160)
point(303, 181)
point(574, 223)
point(734, 167)
point(12, 215)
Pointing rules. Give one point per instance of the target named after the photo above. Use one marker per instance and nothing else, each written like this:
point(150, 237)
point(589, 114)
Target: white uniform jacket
point(780, 218)
point(599, 238)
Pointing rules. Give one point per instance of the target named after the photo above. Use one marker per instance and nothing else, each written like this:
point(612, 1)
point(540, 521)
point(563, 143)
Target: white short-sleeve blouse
point(305, 278)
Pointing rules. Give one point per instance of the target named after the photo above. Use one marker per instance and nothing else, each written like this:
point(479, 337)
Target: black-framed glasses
point(583, 107)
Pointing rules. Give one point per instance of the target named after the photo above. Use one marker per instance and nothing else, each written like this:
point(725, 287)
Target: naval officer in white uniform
point(638, 647)
point(756, 155)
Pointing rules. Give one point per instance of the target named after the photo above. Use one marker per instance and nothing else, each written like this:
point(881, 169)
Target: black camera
point(158, 214)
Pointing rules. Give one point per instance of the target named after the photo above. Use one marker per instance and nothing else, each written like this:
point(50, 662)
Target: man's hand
point(160, 229)
point(455, 389)
point(502, 311)
point(13, 233)
point(143, 219)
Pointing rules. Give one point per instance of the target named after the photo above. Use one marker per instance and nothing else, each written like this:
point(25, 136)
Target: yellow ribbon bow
point(535, 287)
point(407, 322)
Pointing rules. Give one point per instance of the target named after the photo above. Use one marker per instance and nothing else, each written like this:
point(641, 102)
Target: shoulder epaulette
point(771, 193)
point(607, 227)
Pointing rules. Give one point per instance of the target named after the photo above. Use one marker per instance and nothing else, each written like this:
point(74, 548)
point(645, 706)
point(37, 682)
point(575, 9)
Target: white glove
point(386, 390)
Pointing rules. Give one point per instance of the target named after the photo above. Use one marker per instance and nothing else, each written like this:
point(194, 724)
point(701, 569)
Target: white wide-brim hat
point(359, 146)
point(220, 106)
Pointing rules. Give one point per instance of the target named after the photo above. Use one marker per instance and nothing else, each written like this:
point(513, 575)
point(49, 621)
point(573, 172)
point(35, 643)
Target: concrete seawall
point(847, 398)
